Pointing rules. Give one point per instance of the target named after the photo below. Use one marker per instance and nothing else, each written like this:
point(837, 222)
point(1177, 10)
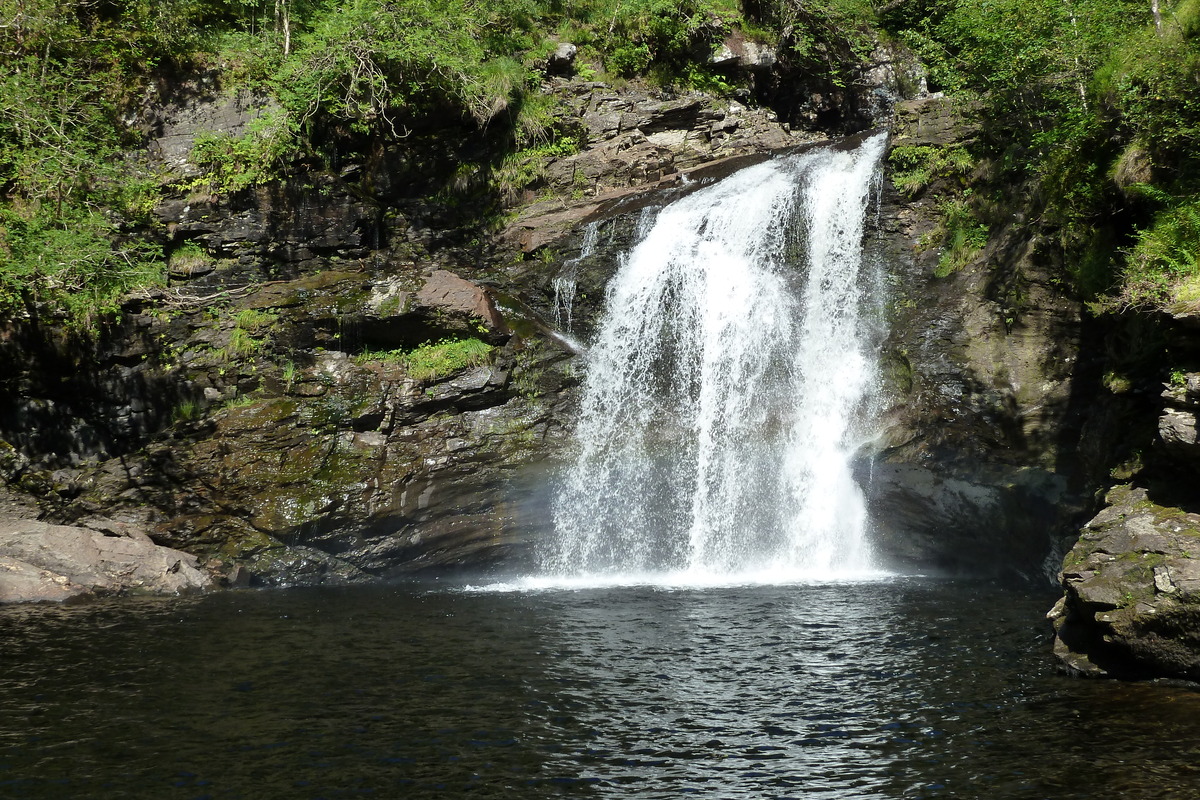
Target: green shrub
point(1163, 267)
point(629, 60)
point(234, 163)
point(69, 258)
point(365, 61)
point(961, 235)
point(915, 167)
point(524, 169)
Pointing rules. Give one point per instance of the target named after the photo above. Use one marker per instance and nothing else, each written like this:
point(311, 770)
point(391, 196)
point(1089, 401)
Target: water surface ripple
point(892, 689)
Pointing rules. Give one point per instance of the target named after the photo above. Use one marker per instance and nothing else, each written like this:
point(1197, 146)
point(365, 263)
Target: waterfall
point(564, 282)
point(729, 385)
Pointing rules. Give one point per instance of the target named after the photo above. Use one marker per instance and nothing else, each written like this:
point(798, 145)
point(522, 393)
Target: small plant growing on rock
point(239, 400)
point(1128, 468)
point(288, 373)
point(189, 259)
point(391, 305)
point(437, 360)
point(433, 360)
point(255, 321)
point(187, 411)
point(962, 237)
point(1117, 383)
point(242, 344)
point(915, 167)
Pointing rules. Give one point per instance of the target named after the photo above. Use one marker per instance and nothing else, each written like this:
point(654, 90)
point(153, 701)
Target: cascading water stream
point(729, 385)
point(564, 282)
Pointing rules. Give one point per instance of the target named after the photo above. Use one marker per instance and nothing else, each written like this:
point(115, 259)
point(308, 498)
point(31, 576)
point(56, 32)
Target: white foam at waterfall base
point(727, 389)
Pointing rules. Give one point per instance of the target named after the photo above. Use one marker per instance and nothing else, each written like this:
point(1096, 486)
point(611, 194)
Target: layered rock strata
point(259, 410)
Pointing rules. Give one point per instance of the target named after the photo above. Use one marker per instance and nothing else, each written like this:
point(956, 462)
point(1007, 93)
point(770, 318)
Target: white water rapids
point(728, 387)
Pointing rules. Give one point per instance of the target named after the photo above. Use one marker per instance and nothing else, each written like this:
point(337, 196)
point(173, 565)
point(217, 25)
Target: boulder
point(446, 291)
point(1131, 604)
point(22, 582)
point(738, 51)
point(44, 562)
point(1177, 430)
point(562, 60)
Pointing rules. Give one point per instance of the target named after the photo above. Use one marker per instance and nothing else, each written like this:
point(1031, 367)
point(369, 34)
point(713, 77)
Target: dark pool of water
point(900, 689)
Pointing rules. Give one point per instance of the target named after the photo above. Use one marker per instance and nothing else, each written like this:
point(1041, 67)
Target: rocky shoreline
point(1131, 603)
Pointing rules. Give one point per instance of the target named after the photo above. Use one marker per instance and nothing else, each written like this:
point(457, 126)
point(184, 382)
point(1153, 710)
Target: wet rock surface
point(317, 456)
point(639, 142)
point(978, 461)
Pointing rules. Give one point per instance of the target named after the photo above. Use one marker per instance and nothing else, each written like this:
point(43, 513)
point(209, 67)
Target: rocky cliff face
point(990, 437)
point(978, 467)
point(267, 414)
point(1131, 598)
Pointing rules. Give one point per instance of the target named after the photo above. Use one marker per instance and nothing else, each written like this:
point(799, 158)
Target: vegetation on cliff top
point(75, 73)
point(1093, 102)
point(1092, 108)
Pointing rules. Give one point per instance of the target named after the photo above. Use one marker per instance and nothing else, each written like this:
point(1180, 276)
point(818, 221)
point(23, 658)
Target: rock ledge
point(40, 562)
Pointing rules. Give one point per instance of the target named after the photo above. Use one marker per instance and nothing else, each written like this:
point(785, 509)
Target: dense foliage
point(1090, 106)
point(61, 178)
point(1094, 105)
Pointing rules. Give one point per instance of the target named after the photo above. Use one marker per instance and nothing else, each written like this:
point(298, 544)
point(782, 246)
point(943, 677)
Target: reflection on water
point(902, 689)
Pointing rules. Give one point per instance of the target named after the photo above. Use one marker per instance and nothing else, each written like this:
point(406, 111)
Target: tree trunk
point(1079, 72)
point(1154, 9)
point(283, 23)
